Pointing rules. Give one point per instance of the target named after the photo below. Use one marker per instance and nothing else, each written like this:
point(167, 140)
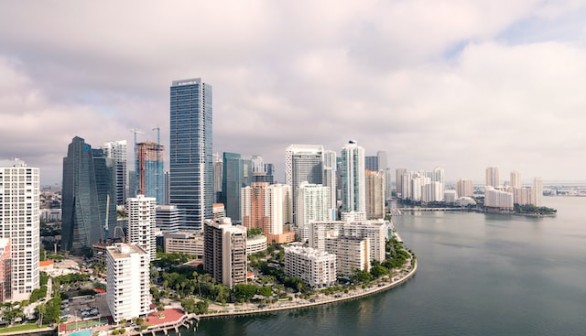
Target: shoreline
point(359, 293)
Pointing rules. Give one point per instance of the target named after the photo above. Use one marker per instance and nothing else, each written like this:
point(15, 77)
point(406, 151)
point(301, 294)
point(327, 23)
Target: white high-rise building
point(383, 165)
point(492, 177)
point(516, 180)
point(329, 180)
point(351, 253)
point(375, 230)
point(142, 223)
point(312, 205)
point(303, 163)
point(267, 207)
point(316, 268)
point(117, 151)
point(19, 221)
point(128, 282)
point(353, 179)
point(537, 192)
point(399, 172)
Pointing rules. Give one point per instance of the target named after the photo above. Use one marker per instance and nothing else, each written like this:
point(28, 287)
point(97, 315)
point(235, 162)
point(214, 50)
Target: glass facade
point(82, 206)
point(232, 182)
point(150, 171)
point(191, 158)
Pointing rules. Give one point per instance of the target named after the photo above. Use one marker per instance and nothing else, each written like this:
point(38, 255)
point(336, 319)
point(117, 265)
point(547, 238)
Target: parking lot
point(85, 308)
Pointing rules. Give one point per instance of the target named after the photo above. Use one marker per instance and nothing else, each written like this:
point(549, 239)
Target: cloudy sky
point(451, 83)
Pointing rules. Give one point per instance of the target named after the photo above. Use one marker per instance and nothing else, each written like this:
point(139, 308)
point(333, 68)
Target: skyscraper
point(329, 180)
point(83, 217)
point(383, 165)
point(371, 163)
point(515, 180)
point(399, 172)
point(465, 188)
point(116, 150)
point(149, 171)
point(303, 163)
point(191, 158)
point(105, 173)
point(218, 177)
point(19, 221)
point(353, 178)
point(232, 182)
point(375, 194)
point(492, 177)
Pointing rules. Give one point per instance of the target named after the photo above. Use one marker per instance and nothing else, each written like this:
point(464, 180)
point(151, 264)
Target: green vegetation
point(68, 279)
point(532, 209)
point(254, 232)
point(20, 328)
point(190, 306)
point(165, 260)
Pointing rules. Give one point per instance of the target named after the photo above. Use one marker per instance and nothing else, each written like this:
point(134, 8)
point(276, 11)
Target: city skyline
point(498, 83)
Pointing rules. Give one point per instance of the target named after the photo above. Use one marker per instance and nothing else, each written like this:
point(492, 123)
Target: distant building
point(117, 151)
point(184, 242)
point(537, 192)
point(5, 270)
point(19, 221)
point(450, 196)
point(330, 181)
point(399, 172)
point(128, 282)
point(312, 205)
point(316, 268)
point(492, 177)
point(303, 163)
point(142, 222)
point(191, 158)
point(225, 251)
point(219, 210)
point(516, 180)
point(353, 178)
point(497, 199)
point(232, 182)
point(375, 194)
point(268, 207)
point(150, 171)
point(170, 218)
point(465, 188)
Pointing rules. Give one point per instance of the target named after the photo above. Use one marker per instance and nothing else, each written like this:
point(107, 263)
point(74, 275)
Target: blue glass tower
point(232, 182)
point(89, 196)
point(150, 171)
point(191, 159)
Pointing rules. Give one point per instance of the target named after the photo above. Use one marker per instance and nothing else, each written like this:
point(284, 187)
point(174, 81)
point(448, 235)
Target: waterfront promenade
point(321, 299)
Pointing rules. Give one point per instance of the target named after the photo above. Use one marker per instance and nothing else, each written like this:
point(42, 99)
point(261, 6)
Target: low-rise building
point(184, 242)
point(5, 269)
point(256, 244)
point(316, 268)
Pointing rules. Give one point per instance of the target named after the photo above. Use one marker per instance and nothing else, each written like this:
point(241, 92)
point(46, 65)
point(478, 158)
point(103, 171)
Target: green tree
point(244, 292)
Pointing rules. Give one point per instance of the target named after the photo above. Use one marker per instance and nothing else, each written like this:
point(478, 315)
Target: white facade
point(256, 244)
point(353, 178)
point(142, 223)
point(225, 251)
point(128, 283)
point(497, 199)
point(351, 253)
point(169, 218)
point(450, 196)
point(19, 220)
point(374, 230)
point(117, 150)
point(316, 268)
point(329, 180)
point(303, 163)
point(312, 205)
point(279, 206)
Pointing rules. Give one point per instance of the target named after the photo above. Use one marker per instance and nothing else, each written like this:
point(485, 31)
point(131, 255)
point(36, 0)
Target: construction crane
point(158, 167)
point(135, 131)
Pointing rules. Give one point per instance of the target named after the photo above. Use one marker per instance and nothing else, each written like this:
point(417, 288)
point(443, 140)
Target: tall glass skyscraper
point(88, 200)
point(191, 159)
point(353, 178)
point(116, 150)
point(232, 182)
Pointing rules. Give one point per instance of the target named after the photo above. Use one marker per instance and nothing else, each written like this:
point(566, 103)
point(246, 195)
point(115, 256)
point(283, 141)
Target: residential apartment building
point(19, 221)
point(225, 251)
point(316, 268)
point(142, 222)
point(128, 281)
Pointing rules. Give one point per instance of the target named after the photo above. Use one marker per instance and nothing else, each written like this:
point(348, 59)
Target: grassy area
point(22, 327)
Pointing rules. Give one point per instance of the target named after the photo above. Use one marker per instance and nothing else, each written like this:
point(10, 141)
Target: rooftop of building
point(122, 250)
